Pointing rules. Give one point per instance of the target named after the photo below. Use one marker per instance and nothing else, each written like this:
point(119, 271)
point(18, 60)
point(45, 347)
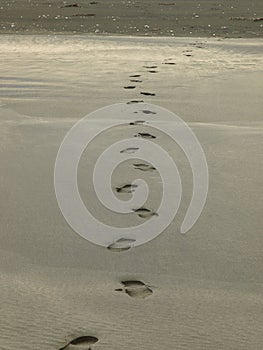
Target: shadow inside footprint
point(129, 87)
point(145, 212)
point(149, 67)
point(187, 53)
point(121, 245)
point(152, 71)
point(144, 167)
point(135, 101)
point(71, 5)
point(82, 341)
point(147, 111)
point(135, 81)
point(129, 150)
point(133, 283)
point(137, 122)
point(147, 93)
point(135, 76)
point(145, 135)
point(135, 289)
point(129, 188)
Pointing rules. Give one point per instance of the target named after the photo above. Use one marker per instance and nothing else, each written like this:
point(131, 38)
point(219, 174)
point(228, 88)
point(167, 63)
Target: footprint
point(199, 45)
point(129, 150)
point(135, 289)
point(145, 212)
point(129, 188)
point(167, 3)
point(139, 292)
point(145, 135)
point(146, 111)
point(133, 283)
point(82, 341)
point(135, 81)
point(84, 15)
point(137, 122)
point(187, 53)
point(135, 76)
point(171, 63)
point(147, 93)
point(71, 5)
point(149, 67)
point(121, 245)
point(135, 101)
point(129, 87)
point(144, 167)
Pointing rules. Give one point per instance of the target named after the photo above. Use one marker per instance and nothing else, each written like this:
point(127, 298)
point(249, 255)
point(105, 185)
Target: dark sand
point(142, 17)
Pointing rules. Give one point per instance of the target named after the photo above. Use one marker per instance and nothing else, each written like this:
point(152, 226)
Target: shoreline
point(130, 36)
point(125, 35)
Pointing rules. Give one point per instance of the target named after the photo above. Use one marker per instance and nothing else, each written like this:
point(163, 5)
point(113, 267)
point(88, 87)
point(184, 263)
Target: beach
point(61, 61)
point(207, 284)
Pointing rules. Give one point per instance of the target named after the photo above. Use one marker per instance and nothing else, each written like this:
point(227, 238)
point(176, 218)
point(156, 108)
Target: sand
point(56, 286)
point(141, 17)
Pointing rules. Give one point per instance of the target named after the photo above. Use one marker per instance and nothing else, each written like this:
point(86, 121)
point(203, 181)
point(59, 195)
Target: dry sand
point(207, 285)
point(142, 17)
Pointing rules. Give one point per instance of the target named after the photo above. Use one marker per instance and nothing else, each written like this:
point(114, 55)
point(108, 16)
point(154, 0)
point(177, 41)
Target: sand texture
point(198, 291)
point(224, 18)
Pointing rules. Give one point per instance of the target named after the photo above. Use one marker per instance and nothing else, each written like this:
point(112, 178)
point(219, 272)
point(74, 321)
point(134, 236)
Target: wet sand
point(199, 291)
point(203, 18)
